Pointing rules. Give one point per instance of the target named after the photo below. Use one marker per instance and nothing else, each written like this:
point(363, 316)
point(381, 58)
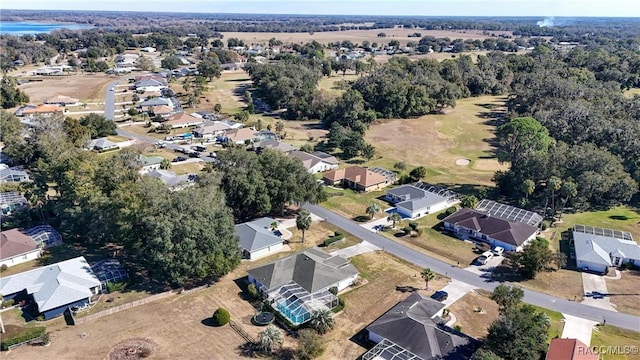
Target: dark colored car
point(440, 296)
point(179, 158)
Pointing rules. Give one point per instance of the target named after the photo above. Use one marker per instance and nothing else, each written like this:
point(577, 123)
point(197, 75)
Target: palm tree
point(427, 274)
point(270, 339)
point(554, 184)
point(279, 126)
point(165, 164)
point(394, 218)
point(303, 222)
point(322, 321)
point(528, 187)
point(569, 189)
point(372, 209)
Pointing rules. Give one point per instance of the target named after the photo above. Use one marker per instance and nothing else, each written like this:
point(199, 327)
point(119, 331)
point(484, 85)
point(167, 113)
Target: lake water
point(22, 28)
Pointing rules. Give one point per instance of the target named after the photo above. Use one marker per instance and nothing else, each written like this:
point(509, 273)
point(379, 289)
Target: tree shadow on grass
point(361, 218)
point(619, 217)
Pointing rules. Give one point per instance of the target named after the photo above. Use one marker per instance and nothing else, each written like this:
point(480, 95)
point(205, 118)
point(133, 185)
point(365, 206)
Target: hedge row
point(336, 237)
point(27, 334)
point(340, 306)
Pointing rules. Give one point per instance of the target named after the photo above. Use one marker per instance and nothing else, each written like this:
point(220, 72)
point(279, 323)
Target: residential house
point(150, 83)
point(570, 349)
point(358, 178)
point(62, 100)
point(415, 201)
point(53, 288)
point(299, 284)
point(238, 136)
point(259, 238)
point(19, 111)
point(163, 111)
point(597, 249)
point(52, 70)
point(471, 224)
point(171, 180)
point(210, 129)
point(412, 330)
point(151, 103)
point(315, 164)
point(102, 145)
point(10, 201)
point(44, 109)
point(265, 135)
point(182, 120)
point(274, 145)
point(17, 248)
point(149, 163)
point(13, 174)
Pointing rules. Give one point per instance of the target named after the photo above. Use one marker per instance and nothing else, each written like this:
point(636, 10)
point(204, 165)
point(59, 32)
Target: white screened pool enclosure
point(297, 304)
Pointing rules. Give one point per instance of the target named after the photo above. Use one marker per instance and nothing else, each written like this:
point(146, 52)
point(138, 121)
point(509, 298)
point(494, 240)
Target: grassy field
point(472, 322)
point(612, 336)
point(437, 141)
point(328, 83)
point(86, 87)
point(624, 292)
point(356, 36)
point(353, 204)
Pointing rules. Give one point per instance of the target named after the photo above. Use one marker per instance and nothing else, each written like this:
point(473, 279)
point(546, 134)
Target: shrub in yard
point(407, 230)
point(220, 317)
point(4, 267)
point(450, 211)
point(253, 291)
point(458, 328)
point(25, 335)
point(340, 306)
point(333, 290)
point(413, 225)
point(116, 286)
point(8, 303)
point(337, 237)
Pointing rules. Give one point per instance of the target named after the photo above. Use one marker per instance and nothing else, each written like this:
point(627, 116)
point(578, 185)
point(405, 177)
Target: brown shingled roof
point(357, 174)
point(13, 242)
point(514, 233)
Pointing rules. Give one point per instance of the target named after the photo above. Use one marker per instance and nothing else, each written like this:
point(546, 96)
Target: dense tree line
point(259, 184)
point(176, 236)
point(10, 95)
point(583, 131)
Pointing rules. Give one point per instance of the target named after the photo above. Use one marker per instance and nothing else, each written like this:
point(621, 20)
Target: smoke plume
point(547, 22)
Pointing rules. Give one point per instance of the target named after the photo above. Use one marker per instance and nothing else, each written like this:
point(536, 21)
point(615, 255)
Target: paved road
point(564, 306)
point(109, 101)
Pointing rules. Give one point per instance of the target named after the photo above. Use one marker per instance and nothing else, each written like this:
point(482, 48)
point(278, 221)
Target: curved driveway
point(532, 297)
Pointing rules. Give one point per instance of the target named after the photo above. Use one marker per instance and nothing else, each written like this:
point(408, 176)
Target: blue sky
point(614, 8)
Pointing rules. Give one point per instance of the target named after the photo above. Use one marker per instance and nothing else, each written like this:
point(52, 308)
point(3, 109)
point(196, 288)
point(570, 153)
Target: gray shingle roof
point(428, 200)
point(256, 235)
point(408, 192)
point(411, 325)
point(54, 285)
point(312, 269)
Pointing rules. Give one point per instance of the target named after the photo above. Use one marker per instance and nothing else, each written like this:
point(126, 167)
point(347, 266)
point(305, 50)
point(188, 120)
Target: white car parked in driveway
point(485, 257)
point(498, 251)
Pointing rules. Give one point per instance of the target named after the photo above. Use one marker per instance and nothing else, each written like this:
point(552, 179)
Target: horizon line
point(325, 15)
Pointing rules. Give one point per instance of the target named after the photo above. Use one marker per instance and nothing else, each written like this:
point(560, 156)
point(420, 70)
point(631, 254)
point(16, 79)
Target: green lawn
point(557, 323)
point(353, 204)
point(620, 338)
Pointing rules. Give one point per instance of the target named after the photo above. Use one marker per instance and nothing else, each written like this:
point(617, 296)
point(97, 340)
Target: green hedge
point(27, 334)
point(8, 303)
point(335, 238)
point(340, 306)
point(220, 317)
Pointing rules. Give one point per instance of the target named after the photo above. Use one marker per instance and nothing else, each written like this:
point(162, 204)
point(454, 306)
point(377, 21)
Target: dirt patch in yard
point(625, 292)
point(133, 349)
point(87, 88)
point(473, 322)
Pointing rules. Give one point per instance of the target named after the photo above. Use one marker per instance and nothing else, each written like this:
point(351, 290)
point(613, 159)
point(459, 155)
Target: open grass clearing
point(632, 92)
point(329, 83)
point(366, 303)
point(353, 204)
point(86, 87)
point(437, 141)
point(317, 234)
point(357, 36)
point(473, 322)
point(563, 283)
point(141, 130)
point(618, 338)
point(625, 292)
point(187, 168)
point(117, 138)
